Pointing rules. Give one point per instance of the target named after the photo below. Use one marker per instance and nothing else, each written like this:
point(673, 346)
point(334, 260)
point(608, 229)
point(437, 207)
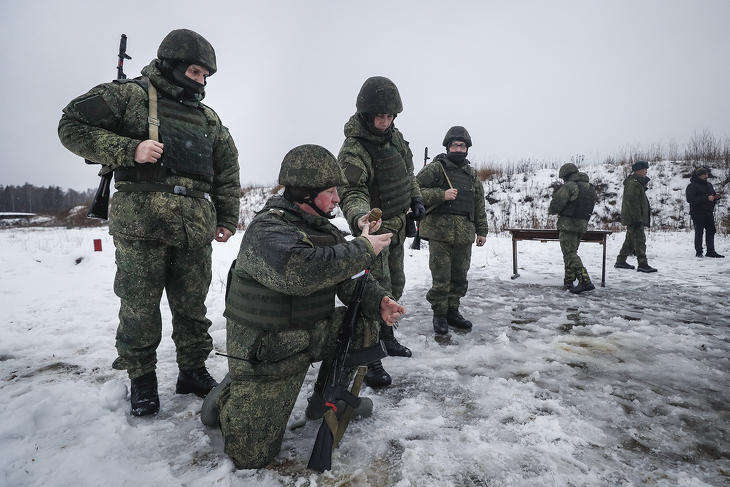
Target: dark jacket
point(697, 194)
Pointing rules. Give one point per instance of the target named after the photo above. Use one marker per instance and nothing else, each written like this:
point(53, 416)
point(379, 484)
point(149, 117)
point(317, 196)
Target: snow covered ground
point(628, 385)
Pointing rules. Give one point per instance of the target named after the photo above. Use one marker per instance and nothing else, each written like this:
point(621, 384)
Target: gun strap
point(152, 119)
point(349, 410)
point(446, 175)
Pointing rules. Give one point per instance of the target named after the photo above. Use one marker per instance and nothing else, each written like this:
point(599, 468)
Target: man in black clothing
point(702, 198)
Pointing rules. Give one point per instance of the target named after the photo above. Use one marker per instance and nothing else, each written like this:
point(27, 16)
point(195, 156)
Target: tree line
point(39, 199)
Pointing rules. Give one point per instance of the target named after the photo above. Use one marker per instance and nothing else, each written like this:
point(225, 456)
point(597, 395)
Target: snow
point(626, 385)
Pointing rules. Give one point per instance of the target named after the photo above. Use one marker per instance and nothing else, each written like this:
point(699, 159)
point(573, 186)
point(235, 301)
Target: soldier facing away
point(281, 303)
point(702, 199)
point(174, 196)
point(378, 165)
point(635, 214)
point(573, 202)
point(456, 212)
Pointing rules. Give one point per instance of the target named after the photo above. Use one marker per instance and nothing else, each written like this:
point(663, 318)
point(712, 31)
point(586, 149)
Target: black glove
point(419, 211)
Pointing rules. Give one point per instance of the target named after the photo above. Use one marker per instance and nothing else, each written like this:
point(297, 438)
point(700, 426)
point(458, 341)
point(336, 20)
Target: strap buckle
point(180, 190)
point(153, 121)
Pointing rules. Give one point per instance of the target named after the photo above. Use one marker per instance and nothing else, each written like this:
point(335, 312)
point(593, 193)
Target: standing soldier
point(456, 213)
point(702, 199)
point(281, 303)
point(635, 214)
point(574, 202)
point(378, 165)
point(174, 195)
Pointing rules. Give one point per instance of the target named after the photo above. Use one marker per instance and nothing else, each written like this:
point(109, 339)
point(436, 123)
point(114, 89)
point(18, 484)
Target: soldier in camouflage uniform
point(635, 214)
point(454, 196)
point(174, 196)
point(574, 202)
point(281, 303)
point(378, 165)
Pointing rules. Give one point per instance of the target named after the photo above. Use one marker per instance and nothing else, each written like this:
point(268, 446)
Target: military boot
point(316, 407)
point(645, 268)
point(143, 396)
point(196, 381)
point(393, 347)
point(623, 265)
point(582, 287)
point(568, 284)
point(376, 375)
point(209, 412)
point(712, 253)
point(440, 324)
point(454, 318)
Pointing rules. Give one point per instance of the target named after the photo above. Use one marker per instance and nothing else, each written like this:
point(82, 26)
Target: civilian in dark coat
point(702, 198)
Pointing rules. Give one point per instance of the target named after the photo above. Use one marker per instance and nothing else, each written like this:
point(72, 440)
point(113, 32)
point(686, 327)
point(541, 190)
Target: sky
point(530, 80)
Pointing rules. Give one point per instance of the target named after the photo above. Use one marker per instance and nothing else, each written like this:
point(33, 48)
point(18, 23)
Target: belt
point(162, 188)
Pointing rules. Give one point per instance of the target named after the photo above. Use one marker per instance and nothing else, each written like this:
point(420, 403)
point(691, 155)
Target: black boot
point(376, 375)
point(699, 254)
point(440, 325)
point(712, 253)
point(196, 381)
point(645, 268)
point(143, 396)
point(394, 348)
point(209, 412)
point(623, 265)
point(583, 287)
point(454, 318)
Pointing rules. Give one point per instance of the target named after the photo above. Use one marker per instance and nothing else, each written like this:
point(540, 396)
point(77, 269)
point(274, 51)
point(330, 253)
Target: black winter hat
point(639, 165)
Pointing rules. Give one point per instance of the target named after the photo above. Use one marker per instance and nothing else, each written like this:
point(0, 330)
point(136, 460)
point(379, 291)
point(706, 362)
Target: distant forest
point(38, 199)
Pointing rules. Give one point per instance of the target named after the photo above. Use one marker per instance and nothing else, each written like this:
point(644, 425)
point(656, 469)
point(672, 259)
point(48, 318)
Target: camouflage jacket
point(357, 165)
point(107, 130)
point(454, 229)
point(280, 256)
point(565, 194)
point(635, 208)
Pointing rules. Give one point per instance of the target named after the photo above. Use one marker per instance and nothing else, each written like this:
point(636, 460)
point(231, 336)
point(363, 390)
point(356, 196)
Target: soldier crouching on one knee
point(574, 202)
point(281, 303)
point(454, 197)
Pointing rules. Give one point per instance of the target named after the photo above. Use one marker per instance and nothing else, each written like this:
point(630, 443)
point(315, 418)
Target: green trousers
point(634, 244)
point(574, 269)
point(449, 265)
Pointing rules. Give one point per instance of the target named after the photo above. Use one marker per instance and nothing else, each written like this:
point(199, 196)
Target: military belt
point(163, 188)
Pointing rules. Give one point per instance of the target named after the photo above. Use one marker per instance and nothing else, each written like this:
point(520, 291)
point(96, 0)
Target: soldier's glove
point(419, 211)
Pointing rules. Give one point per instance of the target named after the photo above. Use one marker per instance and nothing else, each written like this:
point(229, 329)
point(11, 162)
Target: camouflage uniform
point(162, 239)
point(635, 214)
point(302, 259)
point(571, 228)
point(450, 235)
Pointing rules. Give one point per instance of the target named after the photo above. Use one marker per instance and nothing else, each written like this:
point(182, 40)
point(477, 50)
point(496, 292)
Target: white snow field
point(626, 385)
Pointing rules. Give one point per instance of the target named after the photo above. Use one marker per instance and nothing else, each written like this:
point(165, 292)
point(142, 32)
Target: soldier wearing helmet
point(454, 196)
point(177, 190)
point(573, 202)
point(378, 165)
point(280, 304)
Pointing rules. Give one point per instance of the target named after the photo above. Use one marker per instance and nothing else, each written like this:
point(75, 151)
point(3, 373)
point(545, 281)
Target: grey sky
point(534, 79)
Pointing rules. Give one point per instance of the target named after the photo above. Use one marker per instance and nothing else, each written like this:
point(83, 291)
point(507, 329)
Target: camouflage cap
point(379, 95)
point(457, 133)
point(639, 165)
point(567, 169)
point(310, 166)
point(189, 46)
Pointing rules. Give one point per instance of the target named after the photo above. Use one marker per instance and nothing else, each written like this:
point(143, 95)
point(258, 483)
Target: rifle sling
point(152, 119)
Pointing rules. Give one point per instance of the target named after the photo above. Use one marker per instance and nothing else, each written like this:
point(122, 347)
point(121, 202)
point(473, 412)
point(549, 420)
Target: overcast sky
point(535, 79)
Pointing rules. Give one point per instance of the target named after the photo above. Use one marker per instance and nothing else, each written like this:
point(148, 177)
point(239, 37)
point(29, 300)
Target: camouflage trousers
point(634, 244)
point(449, 265)
point(388, 267)
point(144, 269)
point(265, 382)
point(574, 269)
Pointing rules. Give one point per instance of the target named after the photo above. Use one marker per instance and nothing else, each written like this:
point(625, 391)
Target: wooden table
point(545, 235)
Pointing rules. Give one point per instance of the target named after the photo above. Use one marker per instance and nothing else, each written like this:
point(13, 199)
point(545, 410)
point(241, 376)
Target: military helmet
point(186, 45)
point(379, 95)
point(567, 169)
point(310, 166)
point(457, 133)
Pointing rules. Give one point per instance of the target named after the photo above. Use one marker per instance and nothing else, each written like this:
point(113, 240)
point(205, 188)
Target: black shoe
point(623, 265)
point(209, 412)
point(645, 268)
point(715, 255)
point(583, 287)
point(143, 397)
point(316, 407)
point(454, 318)
point(440, 324)
point(392, 346)
point(699, 254)
point(376, 375)
point(196, 381)
point(568, 285)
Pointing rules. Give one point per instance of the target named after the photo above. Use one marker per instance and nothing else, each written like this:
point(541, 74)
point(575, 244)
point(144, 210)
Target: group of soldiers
point(177, 179)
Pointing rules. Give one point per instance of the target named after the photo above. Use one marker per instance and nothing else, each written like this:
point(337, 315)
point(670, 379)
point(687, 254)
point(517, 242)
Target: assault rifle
point(100, 206)
point(416, 244)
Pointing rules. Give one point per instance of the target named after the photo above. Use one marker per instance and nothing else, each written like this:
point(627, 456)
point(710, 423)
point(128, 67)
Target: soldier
point(456, 213)
point(174, 195)
point(281, 303)
point(378, 165)
point(574, 202)
point(702, 199)
point(635, 214)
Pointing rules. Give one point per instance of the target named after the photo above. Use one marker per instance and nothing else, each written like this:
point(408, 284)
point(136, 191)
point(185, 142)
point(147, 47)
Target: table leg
point(515, 275)
point(603, 265)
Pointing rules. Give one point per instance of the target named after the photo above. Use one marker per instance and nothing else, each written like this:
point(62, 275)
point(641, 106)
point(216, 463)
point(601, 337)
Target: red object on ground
point(97, 245)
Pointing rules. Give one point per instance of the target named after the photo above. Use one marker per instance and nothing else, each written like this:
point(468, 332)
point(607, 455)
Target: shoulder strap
point(154, 122)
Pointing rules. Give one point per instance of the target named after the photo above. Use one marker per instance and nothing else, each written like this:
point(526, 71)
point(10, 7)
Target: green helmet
point(186, 45)
point(310, 166)
point(457, 133)
point(567, 169)
point(379, 95)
